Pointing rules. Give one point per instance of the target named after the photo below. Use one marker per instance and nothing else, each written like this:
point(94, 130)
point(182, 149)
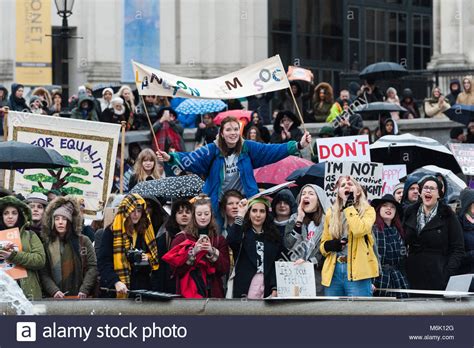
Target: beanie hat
point(262, 200)
point(37, 197)
point(65, 210)
point(117, 100)
point(398, 187)
point(108, 89)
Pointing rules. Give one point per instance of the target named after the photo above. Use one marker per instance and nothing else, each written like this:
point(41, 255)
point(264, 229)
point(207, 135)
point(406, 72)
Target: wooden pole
point(149, 123)
point(301, 118)
point(6, 109)
point(122, 155)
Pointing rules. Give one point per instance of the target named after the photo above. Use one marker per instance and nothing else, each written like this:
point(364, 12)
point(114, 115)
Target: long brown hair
point(146, 154)
point(221, 144)
point(192, 228)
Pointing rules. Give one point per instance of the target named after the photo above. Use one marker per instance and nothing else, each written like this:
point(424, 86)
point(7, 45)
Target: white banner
point(90, 147)
point(262, 77)
point(391, 177)
point(295, 280)
point(353, 148)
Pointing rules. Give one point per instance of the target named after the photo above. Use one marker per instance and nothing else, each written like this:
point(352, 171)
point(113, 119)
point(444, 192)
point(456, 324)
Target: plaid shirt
point(392, 253)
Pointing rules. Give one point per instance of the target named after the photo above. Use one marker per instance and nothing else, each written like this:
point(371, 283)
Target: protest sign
point(391, 177)
point(368, 174)
point(297, 73)
point(295, 280)
point(354, 148)
point(464, 154)
point(90, 148)
point(12, 235)
point(262, 77)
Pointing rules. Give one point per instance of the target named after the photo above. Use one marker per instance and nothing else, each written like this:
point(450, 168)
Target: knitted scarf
point(122, 243)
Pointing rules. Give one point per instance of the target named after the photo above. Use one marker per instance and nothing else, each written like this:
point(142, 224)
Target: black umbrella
point(99, 88)
point(461, 113)
point(17, 155)
point(171, 188)
point(309, 175)
point(378, 107)
point(383, 71)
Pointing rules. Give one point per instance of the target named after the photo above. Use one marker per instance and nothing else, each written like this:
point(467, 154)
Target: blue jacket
point(209, 161)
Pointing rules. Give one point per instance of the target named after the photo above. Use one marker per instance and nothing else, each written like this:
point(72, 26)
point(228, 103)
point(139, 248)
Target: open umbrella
point(378, 107)
point(200, 106)
point(17, 155)
point(171, 187)
point(309, 175)
point(461, 113)
point(383, 71)
point(243, 115)
point(414, 151)
point(276, 173)
point(99, 88)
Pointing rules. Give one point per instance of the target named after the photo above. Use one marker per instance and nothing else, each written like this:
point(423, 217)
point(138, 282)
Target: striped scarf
point(122, 243)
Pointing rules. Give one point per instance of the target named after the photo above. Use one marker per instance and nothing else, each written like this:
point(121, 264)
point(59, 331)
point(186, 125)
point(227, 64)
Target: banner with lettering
point(352, 148)
point(262, 77)
point(12, 236)
point(391, 177)
point(464, 155)
point(295, 280)
point(90, 148)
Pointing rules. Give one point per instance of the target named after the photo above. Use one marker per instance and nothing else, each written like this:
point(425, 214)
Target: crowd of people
point(225, 241)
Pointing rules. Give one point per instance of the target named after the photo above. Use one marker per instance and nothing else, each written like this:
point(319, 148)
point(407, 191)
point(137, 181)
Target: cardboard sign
point(12, 235)
point(354, 148)
point(295, 280)
point(464, 154)
point(391, 177)
point(368, 174)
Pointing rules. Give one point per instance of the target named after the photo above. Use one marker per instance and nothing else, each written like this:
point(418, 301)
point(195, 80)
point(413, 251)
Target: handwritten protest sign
point(391, 177)
point(368, 174)
point(90, 148)
point(354, 148)
point(464, 154)
point(295, 280)
point(12, 235)
point(262, 77)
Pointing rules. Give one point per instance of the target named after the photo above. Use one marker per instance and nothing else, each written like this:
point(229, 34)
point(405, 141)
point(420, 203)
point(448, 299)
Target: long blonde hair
point(132, 105)
point(146, 154)
point(336, 227)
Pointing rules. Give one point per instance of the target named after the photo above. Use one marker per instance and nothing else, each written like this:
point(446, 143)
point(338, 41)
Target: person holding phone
point(347, 242)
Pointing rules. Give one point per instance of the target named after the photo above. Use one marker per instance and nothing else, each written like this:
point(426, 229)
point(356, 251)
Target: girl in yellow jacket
point(347, 243)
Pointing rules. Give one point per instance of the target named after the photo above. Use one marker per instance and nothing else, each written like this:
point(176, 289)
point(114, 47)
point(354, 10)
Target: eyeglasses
point(429, 188)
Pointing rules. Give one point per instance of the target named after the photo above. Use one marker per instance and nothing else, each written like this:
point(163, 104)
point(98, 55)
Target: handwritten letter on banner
point(295, 280)
point(90, 148)
point(368, 174)
point(262, 77)
point(353, 148)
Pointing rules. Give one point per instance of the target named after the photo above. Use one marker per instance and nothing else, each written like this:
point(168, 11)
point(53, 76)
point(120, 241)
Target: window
point(421, 41)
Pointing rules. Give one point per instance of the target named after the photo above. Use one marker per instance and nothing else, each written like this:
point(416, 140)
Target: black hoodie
point(454, 94)
point(17, 104)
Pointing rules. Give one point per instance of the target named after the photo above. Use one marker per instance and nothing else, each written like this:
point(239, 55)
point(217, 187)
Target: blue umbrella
point(200, 106)
point(461, 113)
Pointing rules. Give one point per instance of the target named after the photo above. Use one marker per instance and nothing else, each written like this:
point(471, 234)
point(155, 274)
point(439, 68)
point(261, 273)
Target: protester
point(350, 125)
point(455, 89)
point(256, 244)
point(106, 101)
point(125, 92)
point(85, 109)
point(288, 103)
point(391, 96)
point(199, 256)
point(146, 168)
point(398, 192)
point(285, 128)
point(253, 134)
point(411, 192)
point(71, 265)
point(390, 128)
point(229, 208)
point(323, 99)
point(128, 257)
point(366, 131)
point(466, 218)
point(151, 108)
point(37, 202)
point(467, 96)
point(16, 100)
point(392, 253)
point(57, 107)
point(370, 93)
point(347, 242)
point(36, 106)
point(3, 96)
point(456, 136)
point(16, 214)
point(181, 212)
point(434, 238)
point(436, 105)
point(305, 228)
point(283, 207)
point(409, 103)
point(168, 130)
point(229, 163)
point(256, 121)
point(260, 103)
point(45, 97)
point(115, 113)
point(207, 131)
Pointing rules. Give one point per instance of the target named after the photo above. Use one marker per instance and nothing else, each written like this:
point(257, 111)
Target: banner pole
point(122, 155)
point(6, 109)
point(301, 118)
point(149, 123)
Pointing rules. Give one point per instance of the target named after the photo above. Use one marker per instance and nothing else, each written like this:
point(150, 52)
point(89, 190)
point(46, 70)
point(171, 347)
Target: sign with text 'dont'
point(368, 174)
point(353, 148)
point(295, 280)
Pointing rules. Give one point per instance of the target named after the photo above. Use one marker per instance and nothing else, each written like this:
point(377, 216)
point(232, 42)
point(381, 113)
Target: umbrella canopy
point(461, 113)
point(455, 184)
point(99, 88)
point(238, 114)
point(200, 106)
point(276, 173)
point(309, 175)
point(383, 71)
point(171, 187)
point(378, 107)
point(17, 155)
point(414, 151)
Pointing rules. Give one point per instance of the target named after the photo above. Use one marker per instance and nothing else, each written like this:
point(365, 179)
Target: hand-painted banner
point(353, 148)
point(297, 73)
point(262, 77)
point(464, 155)
point(90, 148)
point(368, 174)
point(295, 280)
point(391, 177)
